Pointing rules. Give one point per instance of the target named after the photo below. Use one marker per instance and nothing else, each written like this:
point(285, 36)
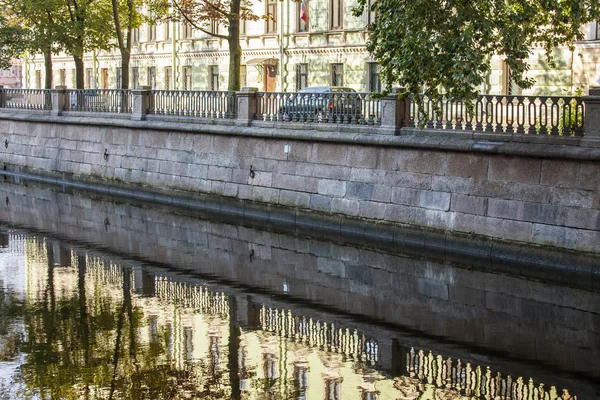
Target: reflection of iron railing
point(475, 380)
point(352, 343)
point(188, 103)
point(99, 100)
point(339, 108)
point(26, 99)
point(194, 296)
point(543, 115)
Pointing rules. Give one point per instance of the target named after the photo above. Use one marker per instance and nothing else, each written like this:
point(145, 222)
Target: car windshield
point(315, 90)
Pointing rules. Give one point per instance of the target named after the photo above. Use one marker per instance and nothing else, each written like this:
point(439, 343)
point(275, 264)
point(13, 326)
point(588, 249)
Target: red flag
point(303, 11)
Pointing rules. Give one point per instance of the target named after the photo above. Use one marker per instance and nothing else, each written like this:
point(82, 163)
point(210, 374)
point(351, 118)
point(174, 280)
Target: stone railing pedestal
point(246, 106)
point(2, 97)
point(142, 102)
point(394, 113)
point(592, 114)
point(58, 97)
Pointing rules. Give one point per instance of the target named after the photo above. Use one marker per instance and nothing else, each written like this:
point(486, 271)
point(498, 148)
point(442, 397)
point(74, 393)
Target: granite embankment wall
point(527, 319)
point(533, 191)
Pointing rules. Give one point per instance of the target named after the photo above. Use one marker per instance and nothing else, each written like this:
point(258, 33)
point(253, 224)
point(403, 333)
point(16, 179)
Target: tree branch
point(189, 21)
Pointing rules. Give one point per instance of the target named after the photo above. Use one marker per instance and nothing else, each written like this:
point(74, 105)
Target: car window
point(315, 90)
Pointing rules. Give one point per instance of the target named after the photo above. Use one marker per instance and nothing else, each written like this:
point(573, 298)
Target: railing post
point(592, 113)
point(58, 97)
point(142, 102)
point(394, 112)
point(2, 97)
point(246, 106)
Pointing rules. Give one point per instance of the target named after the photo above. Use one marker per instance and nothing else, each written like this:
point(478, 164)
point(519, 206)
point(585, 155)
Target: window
point(597, 37)
point(135, 35)
point(38, 79)
point(302, 13)
point(152, 77)
point(337, 74)
point(135, 77)
point(168, 77)
point(167, 26)
point(62, 77)
point(186, 31)
point(272, 14)
point(73, 78)
point(510, 86)
point(242, 26)
point(374, 77)
point(151, 32)
point(213, 26)
point(301, 76)
point(187, 78)
point(243, 81)
point(213, 77)
point(336, 16)
point(119, 77)
point(89, 78)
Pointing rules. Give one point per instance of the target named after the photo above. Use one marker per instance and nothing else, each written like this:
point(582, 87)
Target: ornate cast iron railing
point(186, 103)
point(339, 108)
point(99, 100)
point(532, 115)
point(26, 99)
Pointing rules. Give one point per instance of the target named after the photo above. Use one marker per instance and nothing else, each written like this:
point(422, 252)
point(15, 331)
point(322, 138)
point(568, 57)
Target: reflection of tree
point(10, 311)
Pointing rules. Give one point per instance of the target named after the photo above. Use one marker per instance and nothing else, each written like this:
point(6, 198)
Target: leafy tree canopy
point(445, 46)
point(12, 41)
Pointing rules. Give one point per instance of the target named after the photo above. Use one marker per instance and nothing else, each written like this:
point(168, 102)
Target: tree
point(40, 21)
point(126, 18)
point(445, 46)
point(87, 26)
point(12, 40)
point(200, 14)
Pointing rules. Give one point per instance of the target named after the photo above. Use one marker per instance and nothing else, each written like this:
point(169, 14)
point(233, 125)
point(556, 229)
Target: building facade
point(308, 43)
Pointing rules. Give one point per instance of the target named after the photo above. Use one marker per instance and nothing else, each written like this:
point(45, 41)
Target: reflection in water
point(81, 325)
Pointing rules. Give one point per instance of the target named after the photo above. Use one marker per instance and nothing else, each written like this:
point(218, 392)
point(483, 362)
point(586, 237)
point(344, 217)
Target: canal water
point(101, 299)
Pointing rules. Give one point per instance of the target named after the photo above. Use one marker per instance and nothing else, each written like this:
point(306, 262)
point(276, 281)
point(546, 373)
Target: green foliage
point(12, 41)
point(445, 46)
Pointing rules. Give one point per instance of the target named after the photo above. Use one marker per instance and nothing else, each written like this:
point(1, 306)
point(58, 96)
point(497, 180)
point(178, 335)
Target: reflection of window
point(337, 74)
point(187, 78)
point(374, 77)
point(153, 329)
point(336, 9)
point(369, 396)
point(270, 365)
point(188, 343)
point(302, 13)
point(213, 76)
point(301, 382)
point(170, 339)
point(301, 76)
point(372, 350)
point(272, 14)
point(215, 354)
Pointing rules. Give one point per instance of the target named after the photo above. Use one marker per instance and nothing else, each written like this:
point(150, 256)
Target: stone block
point(327, 153)
point(407, 180)
point(513, 169)
point(202, 143)
point(344, 206)
point(320, 203)
point(453, 184)
point(596, 200)
point(323, 171)
point(398, 213)
point(219, 173)
point(433, 289)
point(421, 161)
point(410, 197)
point(265, 194)
point(507, 209)
point(294, 199)
point(381, 193)
point(560, 173)
point(196, 171)
point(589, 177)
point(244, 192)
point(359, 191)
point(362, 156)
point(493, 227)
point(543, 213)
point(224, 145)
point(467, 296)
point(330, 187)
point(296, 183)
point(261, 179)
point(582, 218)
point(239, 175)
point(469, 204)
point(286, 167)
point(467, 165)
point(570, 197)
point(251, 147)
point(512, 191)
point(434, 200)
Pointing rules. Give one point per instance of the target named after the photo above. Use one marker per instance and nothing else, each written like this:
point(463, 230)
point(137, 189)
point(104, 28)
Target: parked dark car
point(322, 102)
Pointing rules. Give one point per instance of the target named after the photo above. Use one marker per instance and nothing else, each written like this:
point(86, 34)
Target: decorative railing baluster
point(510, 114)
point(543, 116)
point(554, 116)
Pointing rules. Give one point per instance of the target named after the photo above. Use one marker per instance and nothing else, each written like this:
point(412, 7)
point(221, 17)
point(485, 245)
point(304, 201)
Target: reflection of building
point(224, 343)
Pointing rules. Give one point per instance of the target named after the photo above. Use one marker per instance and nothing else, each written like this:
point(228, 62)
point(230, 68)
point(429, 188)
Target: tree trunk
point(235, 50)
point(79, 72)
point(48, 68)
point(125, 59)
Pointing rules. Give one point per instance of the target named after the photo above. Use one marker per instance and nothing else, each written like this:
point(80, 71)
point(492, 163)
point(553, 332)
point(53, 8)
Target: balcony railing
point(27, 99)
point(532, 115)
point(339, 108)
point(187, 103)
point(99, 100)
